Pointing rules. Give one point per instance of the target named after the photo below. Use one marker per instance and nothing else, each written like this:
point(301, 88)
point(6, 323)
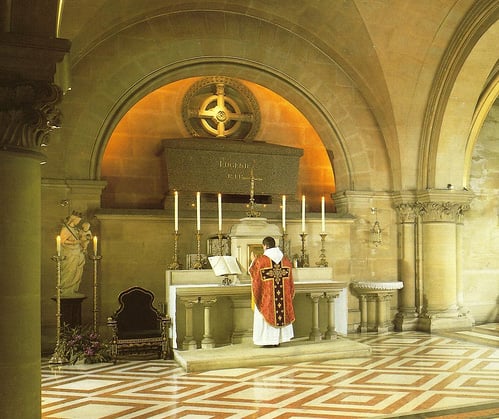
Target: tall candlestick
point(220, 212)
point(176, 211)
point(283, 213)
point(95, 245)
point(323, 213)
point(198, 210)
point(303, 213)
point(58, 245)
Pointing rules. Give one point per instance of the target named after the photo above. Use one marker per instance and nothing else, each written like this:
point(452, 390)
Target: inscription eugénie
point(235, 170)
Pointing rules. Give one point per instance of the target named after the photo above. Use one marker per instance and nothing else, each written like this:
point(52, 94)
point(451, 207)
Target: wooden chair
point(139, 328)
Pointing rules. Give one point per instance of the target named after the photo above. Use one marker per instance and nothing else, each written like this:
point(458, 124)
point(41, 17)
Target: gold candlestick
point(322, 257)
point(304, 258)
point(175, 265)
point(58, 357)
point(198, 264)
point(95, 259)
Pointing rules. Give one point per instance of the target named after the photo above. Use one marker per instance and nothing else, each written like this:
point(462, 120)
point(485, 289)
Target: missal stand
point(225, 266)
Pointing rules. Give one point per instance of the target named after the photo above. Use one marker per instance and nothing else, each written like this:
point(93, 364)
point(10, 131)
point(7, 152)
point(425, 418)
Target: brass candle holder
point(175, 264)
point(322, 257)
point(198, 264)
point(58, 356)
point(95, 259)
point(304, 258)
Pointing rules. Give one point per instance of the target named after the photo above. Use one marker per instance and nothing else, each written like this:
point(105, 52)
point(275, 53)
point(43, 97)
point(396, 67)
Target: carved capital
point(441, 211)
point(407, 212)
point(28, 114)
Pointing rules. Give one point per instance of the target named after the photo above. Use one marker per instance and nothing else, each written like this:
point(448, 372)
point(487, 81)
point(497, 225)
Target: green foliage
point(82, 343)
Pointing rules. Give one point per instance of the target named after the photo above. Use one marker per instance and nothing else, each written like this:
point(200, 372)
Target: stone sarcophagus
point(223, 165)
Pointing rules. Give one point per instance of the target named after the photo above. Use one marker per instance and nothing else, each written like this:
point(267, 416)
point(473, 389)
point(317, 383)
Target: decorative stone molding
point(441, 211)
point(407, 212)
point(28, 114)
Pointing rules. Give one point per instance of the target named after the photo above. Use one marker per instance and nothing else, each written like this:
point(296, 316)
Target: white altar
point(207, 314)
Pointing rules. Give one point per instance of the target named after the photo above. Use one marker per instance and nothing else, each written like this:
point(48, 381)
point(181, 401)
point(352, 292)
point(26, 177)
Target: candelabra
point(322, 257)
point(175, 265)
point(58, 357)
point(95, 259)
point(304, 258)
point(198, 264)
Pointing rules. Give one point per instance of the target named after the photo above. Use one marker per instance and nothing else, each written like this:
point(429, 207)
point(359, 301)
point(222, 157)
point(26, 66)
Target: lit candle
point(176, 211)
point(95, 245)
point(323, 211)
point(198, 210)
point(58, 245)
point(284, 213)
point(220, 212)
point(303, 213)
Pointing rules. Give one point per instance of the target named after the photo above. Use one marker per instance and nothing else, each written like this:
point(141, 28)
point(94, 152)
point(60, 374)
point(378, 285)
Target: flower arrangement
point(81, 343)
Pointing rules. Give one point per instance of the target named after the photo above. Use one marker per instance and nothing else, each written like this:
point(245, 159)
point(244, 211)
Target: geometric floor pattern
point(409, 375)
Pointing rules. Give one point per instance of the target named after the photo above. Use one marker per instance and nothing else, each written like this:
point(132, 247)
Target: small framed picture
point(254, 249)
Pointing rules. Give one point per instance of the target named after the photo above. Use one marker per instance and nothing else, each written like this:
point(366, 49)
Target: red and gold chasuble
point(273, 290)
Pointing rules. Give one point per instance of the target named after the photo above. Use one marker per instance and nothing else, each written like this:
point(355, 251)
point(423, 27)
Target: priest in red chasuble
point(273, 291)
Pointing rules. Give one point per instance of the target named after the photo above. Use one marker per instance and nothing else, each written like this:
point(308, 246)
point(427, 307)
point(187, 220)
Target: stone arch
point(452, 118)
point(334, 106)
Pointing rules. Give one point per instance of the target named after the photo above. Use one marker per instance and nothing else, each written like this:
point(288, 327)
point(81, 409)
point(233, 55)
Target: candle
point(284, 213)
point(323, 211)
point(198, 210)
point(95, 245)
point(176, 211)
point(220, 212)
point(58, 245)
point(303, 213)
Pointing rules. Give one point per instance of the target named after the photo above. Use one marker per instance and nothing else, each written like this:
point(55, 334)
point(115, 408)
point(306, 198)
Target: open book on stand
point(224, 265)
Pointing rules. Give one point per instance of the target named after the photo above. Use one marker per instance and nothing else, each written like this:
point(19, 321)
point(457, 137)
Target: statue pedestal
point(71, 310)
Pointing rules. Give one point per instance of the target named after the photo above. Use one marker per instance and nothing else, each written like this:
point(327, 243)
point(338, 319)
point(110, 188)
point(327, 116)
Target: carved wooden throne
point(138, 328)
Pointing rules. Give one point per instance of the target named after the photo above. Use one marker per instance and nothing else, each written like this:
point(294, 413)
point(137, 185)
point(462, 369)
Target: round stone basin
point(371, 286)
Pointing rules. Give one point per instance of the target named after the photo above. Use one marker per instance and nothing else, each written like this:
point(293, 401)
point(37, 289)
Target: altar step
point(249, 355)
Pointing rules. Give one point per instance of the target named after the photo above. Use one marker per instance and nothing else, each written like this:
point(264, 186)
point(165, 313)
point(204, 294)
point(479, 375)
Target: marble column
point(440, 262)
point(406, 317)
point(27, 115)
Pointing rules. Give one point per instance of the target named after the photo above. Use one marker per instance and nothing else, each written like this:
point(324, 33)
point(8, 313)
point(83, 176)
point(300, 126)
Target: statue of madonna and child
point(75, 237)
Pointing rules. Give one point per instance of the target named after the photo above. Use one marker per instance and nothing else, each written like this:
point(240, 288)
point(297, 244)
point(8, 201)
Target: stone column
point(406, 318)
point(315, 333)
point(207, 342)
point(439, 263)
point(189, 341)
point(463, 310)
point(331, 329)
point(27, 115)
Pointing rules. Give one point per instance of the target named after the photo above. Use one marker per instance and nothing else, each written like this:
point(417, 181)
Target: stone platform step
point(249, 355)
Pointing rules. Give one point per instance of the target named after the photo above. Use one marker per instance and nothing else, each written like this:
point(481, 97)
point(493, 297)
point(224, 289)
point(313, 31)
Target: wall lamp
point(376, 235)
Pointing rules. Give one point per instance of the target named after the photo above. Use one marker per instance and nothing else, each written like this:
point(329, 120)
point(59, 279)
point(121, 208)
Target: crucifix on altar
point(252, 211)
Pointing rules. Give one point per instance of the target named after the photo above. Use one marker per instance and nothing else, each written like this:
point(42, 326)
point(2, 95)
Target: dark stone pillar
point(26, 117)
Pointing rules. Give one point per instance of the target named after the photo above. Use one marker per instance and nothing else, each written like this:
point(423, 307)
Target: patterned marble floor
point(410, 374)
